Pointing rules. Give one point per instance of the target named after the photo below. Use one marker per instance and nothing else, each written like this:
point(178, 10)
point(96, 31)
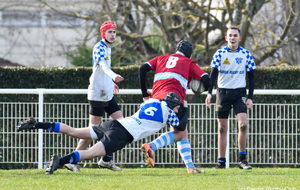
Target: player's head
point(185, 47)
point(104, 27)
point(173, 100)
point(234, 28)
point(233, 37)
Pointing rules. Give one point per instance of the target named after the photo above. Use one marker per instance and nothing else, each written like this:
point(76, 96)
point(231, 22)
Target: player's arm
point(104, 66)
point(142, 78)
point(251, 84)
point(213, 75)
point(183, 119)
point(206, 81)
point(196, 72)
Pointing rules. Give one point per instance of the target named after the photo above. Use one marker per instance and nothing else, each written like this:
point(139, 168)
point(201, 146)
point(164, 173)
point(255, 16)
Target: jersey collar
point(102, 42)
point(180, 53)
point(233, 51)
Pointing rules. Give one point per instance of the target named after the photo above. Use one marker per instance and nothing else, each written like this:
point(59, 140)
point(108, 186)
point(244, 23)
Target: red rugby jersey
point(173, 73)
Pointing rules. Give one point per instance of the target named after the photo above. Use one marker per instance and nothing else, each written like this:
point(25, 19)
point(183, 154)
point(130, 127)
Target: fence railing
point(273, 132)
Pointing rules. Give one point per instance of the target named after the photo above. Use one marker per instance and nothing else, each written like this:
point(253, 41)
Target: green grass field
point(153, 178)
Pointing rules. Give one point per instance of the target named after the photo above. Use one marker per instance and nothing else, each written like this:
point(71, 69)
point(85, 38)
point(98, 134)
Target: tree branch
point(290, 20)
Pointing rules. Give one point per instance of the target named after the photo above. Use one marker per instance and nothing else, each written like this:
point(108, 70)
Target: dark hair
point(234, 28)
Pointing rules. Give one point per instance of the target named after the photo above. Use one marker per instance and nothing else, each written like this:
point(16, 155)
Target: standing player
point(231, 64)
point(100, 91)
point(173, 73)
point(114, 135)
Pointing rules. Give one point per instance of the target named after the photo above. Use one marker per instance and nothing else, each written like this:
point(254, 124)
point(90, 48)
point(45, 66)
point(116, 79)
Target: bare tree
point(147, 28)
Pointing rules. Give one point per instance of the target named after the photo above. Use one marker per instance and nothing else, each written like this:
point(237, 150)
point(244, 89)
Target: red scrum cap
point(106, 25)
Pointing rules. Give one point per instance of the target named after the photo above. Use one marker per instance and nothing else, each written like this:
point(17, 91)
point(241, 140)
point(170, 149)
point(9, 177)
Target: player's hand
point(116, 89)
point(185, 103)
point(118, 78)
point(149, 92)
point(146, 98)
point(249, 104)
point(207, 100)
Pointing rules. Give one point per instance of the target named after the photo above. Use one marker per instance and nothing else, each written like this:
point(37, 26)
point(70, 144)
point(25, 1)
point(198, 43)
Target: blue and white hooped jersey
point(232, 66)
point(101, 85)
point(152, 116)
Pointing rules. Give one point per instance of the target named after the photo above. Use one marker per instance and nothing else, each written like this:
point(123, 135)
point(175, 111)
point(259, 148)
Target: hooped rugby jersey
point(173, 73)
point(152, 116)
point(101, 84)
point(232, 66)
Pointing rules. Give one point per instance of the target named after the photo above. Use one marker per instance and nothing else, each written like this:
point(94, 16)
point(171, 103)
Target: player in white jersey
point(113, 135)
point(231, 64)
point(100, 91)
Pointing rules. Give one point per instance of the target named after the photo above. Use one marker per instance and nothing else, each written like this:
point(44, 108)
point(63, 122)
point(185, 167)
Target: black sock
point(222, 161)
point(107, 158)
point(45, 125)
point(242, 156)
point(70, 158)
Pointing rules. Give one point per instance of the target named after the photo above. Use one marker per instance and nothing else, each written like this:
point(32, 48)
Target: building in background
point(33, 35)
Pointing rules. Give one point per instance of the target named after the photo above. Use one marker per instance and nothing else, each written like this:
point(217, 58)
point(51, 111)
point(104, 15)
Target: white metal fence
point(273, 132)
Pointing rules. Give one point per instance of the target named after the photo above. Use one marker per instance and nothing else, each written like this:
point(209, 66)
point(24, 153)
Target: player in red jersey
point(173, 73)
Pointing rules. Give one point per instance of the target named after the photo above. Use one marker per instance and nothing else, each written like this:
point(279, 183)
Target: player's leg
point(96, 150)
point(242, 135)
point(96, 113)
point(169, 137)
point(222, 139)
point(184, 148)
point(84, 143)
point(73, 158)
point(241, 113)
point(163, 140)
point(224, 99)
point(57, 127)
point(114, 112)
point(112, 136)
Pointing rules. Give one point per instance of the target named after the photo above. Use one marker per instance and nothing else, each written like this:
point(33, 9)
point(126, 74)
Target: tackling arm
point(183, 120)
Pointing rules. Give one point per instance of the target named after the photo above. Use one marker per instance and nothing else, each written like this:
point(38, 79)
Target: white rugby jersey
point(152, 116)
point(232, 66)
point(101, 84)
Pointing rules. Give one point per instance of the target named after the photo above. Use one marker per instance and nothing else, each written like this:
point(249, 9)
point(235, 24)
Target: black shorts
point(113, 136)
point(228, 98)
point(97, 108)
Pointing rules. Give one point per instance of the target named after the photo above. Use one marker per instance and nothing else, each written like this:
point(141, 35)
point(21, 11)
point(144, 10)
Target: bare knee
point(243, 127)
point(222, 128)
point(179, 135)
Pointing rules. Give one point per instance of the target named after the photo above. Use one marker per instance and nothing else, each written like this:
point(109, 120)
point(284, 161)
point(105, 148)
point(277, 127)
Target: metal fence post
point(41, 111)
point(227, 147)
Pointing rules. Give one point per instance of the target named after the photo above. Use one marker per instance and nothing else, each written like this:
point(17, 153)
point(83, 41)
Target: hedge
point(78, 78)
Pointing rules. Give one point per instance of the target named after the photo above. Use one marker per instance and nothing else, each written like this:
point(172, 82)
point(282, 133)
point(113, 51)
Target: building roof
point(4, 62)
